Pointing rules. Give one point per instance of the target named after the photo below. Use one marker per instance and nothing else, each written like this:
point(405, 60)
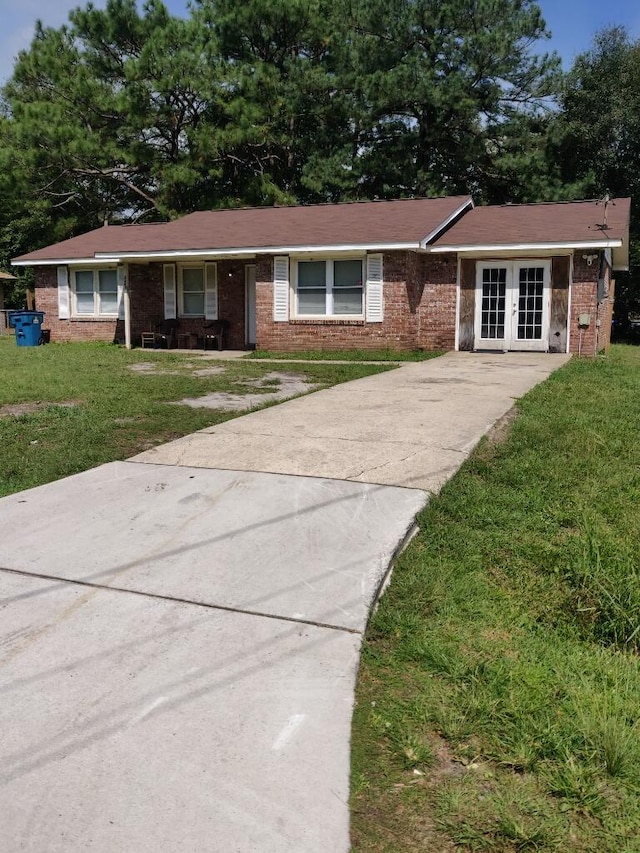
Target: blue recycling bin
point(28, 326)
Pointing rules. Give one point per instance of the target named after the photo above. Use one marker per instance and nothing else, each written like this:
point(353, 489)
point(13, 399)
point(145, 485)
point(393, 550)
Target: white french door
point(513, 305)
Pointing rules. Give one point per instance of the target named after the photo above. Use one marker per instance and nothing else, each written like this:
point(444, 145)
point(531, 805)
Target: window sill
point(95, 318)
point(327, 321)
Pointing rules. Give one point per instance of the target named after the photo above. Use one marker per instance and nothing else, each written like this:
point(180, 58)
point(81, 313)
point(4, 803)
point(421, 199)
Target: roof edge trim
point(446, 223)
point(251, 251)
point(527, 247)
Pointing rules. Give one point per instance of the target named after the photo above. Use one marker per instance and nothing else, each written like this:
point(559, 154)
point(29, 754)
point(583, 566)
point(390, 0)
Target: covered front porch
point(189, 304)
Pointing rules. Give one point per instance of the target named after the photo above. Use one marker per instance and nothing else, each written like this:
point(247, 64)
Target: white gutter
point(241, 254)
point(528, 247)
point(54, 262)
point(252, 251)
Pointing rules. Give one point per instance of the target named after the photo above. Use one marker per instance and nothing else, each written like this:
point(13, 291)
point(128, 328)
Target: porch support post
point(127, 309)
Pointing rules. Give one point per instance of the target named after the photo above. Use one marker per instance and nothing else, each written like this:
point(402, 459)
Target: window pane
point(84, 281)
point(108, 291)
point(193, 291)
point(347, 300)
point(311, 274)
point(347, 273)
point(193, 280)
point(193, 304)
point(84, 292)
point(312, 301)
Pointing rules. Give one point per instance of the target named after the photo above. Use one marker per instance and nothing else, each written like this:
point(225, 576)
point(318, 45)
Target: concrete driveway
point(179, 642)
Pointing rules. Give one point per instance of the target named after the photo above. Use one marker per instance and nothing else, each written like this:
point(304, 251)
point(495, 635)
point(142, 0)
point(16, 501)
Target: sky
point(572, 23)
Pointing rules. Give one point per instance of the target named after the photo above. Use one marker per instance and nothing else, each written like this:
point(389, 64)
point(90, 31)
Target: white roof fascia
point(443, 225)
point(528, 247)
point(54, 262)
point(252, 251)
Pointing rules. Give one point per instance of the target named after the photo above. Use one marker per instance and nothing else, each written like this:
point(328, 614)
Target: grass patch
point(506, 646)
point(111, 412)
point(345, 355)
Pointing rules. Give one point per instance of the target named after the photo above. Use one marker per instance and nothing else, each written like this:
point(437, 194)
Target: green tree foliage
point(130, 115)
point(597, 134)
point(106, 115)
point(447, 87)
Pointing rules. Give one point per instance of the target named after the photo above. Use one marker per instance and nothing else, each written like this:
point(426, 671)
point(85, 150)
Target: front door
point(250, 305)
point(513, 305)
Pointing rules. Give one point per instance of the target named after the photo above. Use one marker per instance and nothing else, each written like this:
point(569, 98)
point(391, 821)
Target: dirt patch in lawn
point(152, 368)
point(285, 385)
point(17, 409)
point(499, 432)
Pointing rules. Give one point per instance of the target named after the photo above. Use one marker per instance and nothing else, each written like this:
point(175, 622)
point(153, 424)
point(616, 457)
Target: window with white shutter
point(211, 292)
point(281, 289)
point(374, 296)
point(63, 293)
point(170, 301)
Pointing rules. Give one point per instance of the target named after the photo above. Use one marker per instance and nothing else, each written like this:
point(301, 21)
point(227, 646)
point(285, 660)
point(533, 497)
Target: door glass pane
point(108, 290)
point(84, 292)
point(530, 297)
point(494, 291)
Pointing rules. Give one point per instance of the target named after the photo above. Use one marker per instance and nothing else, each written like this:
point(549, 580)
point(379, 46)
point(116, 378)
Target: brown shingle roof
point(525, 224)
point(381, 223)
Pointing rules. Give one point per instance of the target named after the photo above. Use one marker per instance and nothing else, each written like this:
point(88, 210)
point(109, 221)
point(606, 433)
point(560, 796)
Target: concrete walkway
point(179, 643)
point(411, 427)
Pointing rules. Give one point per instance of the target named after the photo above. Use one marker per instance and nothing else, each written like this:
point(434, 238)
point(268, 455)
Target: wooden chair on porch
point(213, 334)
point(162, 337)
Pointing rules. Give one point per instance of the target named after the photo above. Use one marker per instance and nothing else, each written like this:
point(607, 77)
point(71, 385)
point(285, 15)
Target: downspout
point(127, 309)
point(599, 298)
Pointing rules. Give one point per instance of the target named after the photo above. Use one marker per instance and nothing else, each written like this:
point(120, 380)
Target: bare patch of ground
point(17, 409)
point(285, 385)
point(153, 368)
point(499, 432)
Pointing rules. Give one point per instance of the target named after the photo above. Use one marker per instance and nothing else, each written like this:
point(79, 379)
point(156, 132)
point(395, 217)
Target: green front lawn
point(111, 412)
point(498, 705)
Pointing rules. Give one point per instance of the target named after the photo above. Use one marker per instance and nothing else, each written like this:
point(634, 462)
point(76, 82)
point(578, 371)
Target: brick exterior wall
point(584, 300)
point(85, 329)
point(419, 310)
point(147, 307)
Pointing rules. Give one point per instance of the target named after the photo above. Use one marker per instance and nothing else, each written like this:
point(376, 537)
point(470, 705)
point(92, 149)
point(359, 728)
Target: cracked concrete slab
point(411, 427)
point(132, 724)
point(285, 547)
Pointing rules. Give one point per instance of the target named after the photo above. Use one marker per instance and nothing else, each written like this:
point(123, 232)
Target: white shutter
point(121, 292)
point(211, 292)
point(281, 289)
point(63, 293)
point(374, 301)
point(169, 273)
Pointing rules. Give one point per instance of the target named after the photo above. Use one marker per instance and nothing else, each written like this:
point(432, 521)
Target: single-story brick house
point(415, 273)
